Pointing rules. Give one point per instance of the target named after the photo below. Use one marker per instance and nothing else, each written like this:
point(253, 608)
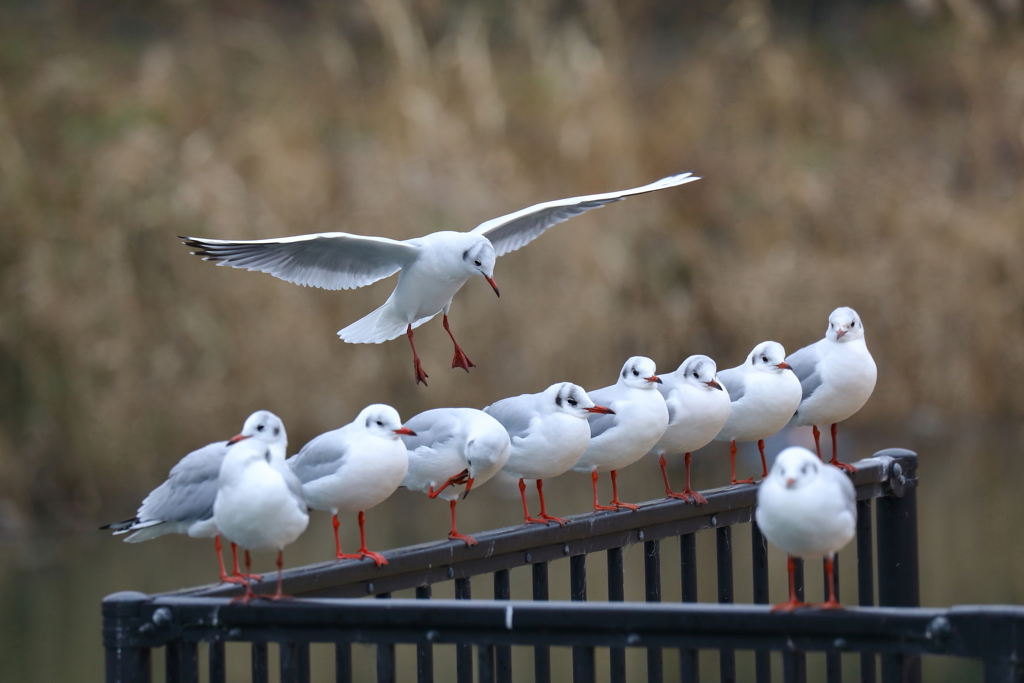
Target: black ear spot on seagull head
point(465, 255)
point(558, 400)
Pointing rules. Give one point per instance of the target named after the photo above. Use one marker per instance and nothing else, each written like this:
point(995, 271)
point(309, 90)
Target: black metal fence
point(897, 632)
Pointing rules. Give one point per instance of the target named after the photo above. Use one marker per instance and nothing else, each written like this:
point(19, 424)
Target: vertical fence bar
point(189, 662)
point(759, 556)
point(898, 564)
point(725, 595)
point(218, 667)
point(260, 663)
point(463, 653)
point(503, 653)
point(583, 668)
point(121, 612)
point(865, 580)
point(485, 663)
point(689, 671)
point(652, 589)
point(541, 653)
point(385, 655)
point(833, 659)
point(616, 593)
point(172, 662)
point(424, 651)
point(794, 664)
point(294, 662)
point(343, 662)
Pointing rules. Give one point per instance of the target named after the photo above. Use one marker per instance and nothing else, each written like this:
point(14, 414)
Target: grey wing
point(516, 230)
point(806, 367)
point(849, 493)
point(732, 380)
point(514, 414)
point(321, 457)
point(599, 424)
point(295, 486)
point(189, 491)
point(431, 427)
point(329, 260)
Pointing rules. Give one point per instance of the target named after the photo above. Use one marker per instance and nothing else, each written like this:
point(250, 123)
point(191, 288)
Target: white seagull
point(433, 268)
point(258, 506)
point(354, 468)
point(809, 509)
point(638, 419)
point(183, 504)
point(764, 394)
point(452, 447)
point(837, 374)
point(549, 433)
point(698, 407)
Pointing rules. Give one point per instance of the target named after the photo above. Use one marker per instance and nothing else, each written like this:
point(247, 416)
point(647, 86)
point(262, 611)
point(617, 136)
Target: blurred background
point(868, 154)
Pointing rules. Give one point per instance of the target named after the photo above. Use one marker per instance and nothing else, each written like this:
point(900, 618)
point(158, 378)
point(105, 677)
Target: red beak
point(235, 439)
point(784, 366)
point(601, 409)
point(839, 333)
point(714, 385)
point(406, 431)
point(469, 485)
point(494, 285)
point(655, 378)
point(789, 482)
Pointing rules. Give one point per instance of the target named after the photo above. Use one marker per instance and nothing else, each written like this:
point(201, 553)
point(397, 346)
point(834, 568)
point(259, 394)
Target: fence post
point(121, 617)
point(898, 585)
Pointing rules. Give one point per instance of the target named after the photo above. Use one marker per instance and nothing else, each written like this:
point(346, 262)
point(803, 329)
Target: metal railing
point(898, 632)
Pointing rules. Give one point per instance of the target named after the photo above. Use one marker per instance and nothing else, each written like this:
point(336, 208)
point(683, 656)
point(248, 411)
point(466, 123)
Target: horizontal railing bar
point(507, 548)
point(968, 631)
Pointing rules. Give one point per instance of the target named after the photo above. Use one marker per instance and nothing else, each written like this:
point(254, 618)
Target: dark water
point(971, 548)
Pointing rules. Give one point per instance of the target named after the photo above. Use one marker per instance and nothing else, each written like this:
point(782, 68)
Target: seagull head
point(487, 451)
point(266, 427)
point(383, 421)
point(844, 325)
point(638, 373)
point(479, 259)
point(701, 372)
point(794, 468)
point(571, 399)
point(768, 356)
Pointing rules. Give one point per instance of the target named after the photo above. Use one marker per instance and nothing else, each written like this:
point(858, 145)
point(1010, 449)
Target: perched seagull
point(353, 468)
point(698, 407)
point(837, 374)
point(764, 394)
point(637, 419)
point(809, 509)
point(452, 447)
point(549, 433)
point(258, 506)
point(184, 503)
point(433, 268)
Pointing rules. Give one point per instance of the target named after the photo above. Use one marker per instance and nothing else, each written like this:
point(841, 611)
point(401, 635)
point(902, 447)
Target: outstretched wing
point(329, 260)
point(518, 229)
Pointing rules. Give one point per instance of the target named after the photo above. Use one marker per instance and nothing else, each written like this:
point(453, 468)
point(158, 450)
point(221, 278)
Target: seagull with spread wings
point(431, 268)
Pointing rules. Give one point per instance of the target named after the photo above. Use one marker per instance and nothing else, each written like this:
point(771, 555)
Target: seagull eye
point(260, 428)
point(803, 470)
point(695, 374)
point(635, 373)
point(476, 262)
point(379, 423)
point(572, 401)
point(277, 430)
point(764, 358)
point(853, 324)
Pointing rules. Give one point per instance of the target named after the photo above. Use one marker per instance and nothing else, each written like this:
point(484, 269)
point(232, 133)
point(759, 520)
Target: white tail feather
point(147, 532)
point(377, 327)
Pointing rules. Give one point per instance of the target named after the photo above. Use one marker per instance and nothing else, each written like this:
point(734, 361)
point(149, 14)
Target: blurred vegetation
point(869, 155)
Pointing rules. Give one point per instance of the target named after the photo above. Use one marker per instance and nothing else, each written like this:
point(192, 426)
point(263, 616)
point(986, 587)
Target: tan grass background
point(875, 160)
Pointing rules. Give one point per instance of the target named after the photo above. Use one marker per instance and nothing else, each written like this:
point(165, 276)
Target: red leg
point(337, 541)
point(793, 603)
point(831, 603)
point(280, 593)
point(669, 493)
point(460, 478)
point(835, 460)
point(526, 508)
point(817, 441)
point(697, 498)
point(363, 552)
point(234, 570)
point(732, 465)
point(248, 595)
point(543, 510)
point(421, 376)
point(764, 463)
point(593, 479)
point(454, 533)
point(224, 578)
point(461, 360)
point(615, 496)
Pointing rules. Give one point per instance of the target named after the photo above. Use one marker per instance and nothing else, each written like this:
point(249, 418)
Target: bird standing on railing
point(258, 506)
point(549, 432)
point(698, 407)
point(433, 268)
point(452, 448)
point(764, 394)
point(184, 503)
point(808, 509)
point(354, 468)
point(638, 419)
point(837, 375)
